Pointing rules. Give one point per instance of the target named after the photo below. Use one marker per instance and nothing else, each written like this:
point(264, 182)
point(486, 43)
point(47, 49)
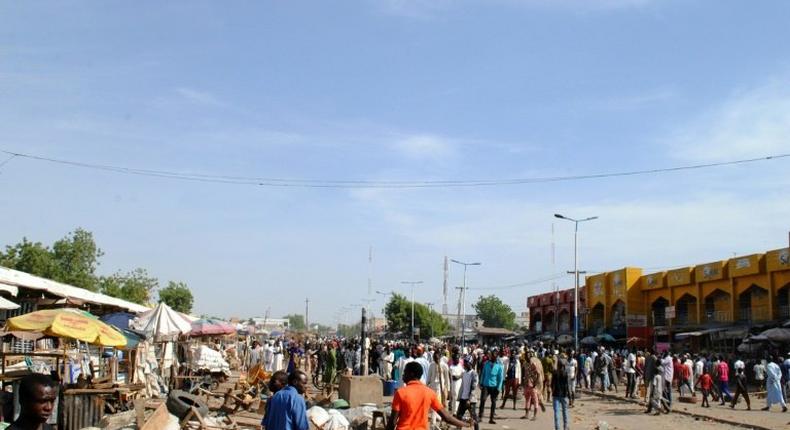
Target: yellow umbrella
point(68, 323)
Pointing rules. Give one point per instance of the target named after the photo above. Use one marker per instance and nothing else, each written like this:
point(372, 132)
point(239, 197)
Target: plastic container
point(389, 387)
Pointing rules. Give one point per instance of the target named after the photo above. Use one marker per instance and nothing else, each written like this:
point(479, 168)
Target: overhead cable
point(336, 183)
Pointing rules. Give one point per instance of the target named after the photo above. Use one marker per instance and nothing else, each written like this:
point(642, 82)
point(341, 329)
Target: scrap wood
point(158, 420)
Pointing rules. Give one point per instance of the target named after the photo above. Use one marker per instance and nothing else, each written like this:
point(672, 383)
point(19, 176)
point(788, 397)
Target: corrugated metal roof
point(25, 280)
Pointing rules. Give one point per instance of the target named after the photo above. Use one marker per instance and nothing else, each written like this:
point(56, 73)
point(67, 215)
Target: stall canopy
point(211, 327)
point(777, 335)
point(11, 280)
point(162, 323)
point(67, 323)
point(6, 304)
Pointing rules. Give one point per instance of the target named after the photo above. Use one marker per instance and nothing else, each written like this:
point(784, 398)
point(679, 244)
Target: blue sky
point(394, 90)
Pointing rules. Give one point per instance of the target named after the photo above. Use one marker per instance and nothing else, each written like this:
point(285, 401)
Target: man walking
point(490, 385)
point(411, 403)
point(512, 379)
point(653, 376)
point(560, 393)
point(773, 384)
point(466, 394)
point(740, 387)
point(286, 409)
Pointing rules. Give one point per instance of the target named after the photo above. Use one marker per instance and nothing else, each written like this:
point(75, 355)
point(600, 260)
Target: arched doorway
point(548, 322)
point(753, 304)
point(686, 310)
point(717, 307)
point(618, 316)
point(596, 319)
point(783, 302)
point(658, 311)
point(565, 321)
point(537, 322)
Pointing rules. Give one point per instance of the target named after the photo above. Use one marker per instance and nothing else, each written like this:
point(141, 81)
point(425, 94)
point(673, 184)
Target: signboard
point(669, 312)
point(636, 320)
point(662, 346)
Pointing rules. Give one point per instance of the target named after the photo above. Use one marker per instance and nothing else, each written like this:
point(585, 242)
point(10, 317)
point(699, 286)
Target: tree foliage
point(495, 313)
point(135, 286)
point(398, 314)
point(178, 296)
point(295, 321)
point(71, 260)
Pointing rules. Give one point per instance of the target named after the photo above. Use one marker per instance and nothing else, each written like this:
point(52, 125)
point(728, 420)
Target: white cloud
point(425, 146)
point(200, 97)
point(751, 123)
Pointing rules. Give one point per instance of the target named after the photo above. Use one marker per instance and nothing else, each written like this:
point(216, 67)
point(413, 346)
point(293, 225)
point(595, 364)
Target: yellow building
point(739, 291)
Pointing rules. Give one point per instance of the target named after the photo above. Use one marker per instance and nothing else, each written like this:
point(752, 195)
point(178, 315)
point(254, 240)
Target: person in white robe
point(773, 385)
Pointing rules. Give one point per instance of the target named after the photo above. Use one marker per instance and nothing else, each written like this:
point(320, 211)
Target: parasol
point(778, 335)
point(564, 339)
point(589, 340)
point(161, 323)
point(68, 323)
point(211, 327)
point(606, 338)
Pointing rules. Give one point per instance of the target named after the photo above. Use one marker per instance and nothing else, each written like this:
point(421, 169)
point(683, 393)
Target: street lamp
point(463, 300)
point(575, 273)
point(412, 283)
point(384, 310)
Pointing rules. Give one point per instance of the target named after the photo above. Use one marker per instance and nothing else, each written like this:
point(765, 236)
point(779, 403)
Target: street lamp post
point(412, 283)
point(384, 311)
point(463, 300)
point(576, 273)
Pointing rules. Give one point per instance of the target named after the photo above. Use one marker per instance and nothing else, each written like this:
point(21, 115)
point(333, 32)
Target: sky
point(394, 90)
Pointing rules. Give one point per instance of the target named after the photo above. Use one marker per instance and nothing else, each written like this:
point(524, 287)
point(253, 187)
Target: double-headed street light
point(462, 318)
point(575, 273)
point(412, 283)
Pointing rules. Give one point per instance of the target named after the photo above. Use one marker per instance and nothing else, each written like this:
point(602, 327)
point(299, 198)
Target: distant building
point(270, 324)
point(553, 312)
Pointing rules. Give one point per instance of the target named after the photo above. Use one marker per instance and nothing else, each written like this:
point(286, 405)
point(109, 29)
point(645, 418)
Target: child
point(705, 383)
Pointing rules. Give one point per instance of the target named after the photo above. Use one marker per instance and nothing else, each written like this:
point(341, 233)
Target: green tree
point(346, 330)
point(78, 256)
point(178, 296)
point(295, 321)
point(495, 313)
point(71, 260)
point(398, 314)
point(135, 286)
point(30, 257)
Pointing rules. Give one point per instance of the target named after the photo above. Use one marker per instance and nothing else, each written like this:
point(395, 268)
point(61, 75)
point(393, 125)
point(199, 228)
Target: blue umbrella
point(118, 319)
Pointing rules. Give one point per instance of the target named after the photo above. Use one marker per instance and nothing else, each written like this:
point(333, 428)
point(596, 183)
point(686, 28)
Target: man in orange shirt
point(411, 403)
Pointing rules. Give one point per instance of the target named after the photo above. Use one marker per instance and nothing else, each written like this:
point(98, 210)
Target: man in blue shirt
point(491, 381)
point(286, 409)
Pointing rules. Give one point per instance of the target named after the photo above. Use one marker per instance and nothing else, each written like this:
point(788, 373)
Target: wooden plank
point(139, 411)
point(158, 420)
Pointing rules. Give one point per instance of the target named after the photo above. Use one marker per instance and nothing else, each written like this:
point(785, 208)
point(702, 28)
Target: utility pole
point(430, 309)
point(463, 299)
point(412, 283)
point(576, 271)
point(307, 314)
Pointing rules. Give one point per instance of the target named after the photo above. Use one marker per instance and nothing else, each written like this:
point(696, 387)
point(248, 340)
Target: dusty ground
point(590, 410)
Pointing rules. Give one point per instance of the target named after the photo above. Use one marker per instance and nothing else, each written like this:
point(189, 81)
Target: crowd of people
point(476, 380)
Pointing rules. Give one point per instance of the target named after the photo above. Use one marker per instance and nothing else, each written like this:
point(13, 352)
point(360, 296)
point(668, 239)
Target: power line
point(334, 183)
point(523, 284)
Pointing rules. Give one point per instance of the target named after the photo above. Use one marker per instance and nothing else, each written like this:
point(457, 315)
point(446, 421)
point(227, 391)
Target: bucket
point(389, 387)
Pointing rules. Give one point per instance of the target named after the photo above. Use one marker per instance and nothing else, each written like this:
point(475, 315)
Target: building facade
point(553, 312)
point(738, 292)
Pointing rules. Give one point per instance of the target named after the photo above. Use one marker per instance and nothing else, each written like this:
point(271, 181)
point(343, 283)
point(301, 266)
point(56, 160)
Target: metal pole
point(412, 311)
point(463, 314)
point(576, 288)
